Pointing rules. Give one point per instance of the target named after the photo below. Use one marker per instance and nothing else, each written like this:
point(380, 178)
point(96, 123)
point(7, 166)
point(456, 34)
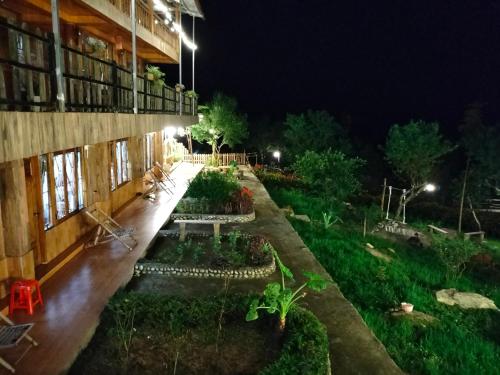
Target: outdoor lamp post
point(428, 187)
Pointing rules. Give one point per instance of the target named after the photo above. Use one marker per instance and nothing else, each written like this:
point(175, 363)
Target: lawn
point(461, 342)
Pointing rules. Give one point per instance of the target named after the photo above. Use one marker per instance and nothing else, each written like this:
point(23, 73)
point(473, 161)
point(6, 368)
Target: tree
point(221, 125)
point(331, 174)
point(414, 150)
point(314, 131)
point(482, 167)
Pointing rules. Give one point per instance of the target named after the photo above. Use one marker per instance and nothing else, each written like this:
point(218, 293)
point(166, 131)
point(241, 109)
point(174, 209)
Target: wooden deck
point(75, 296)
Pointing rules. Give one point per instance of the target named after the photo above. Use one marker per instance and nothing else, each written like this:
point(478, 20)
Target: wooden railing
point(147, 18)
point(224, 159)
point(28, 81)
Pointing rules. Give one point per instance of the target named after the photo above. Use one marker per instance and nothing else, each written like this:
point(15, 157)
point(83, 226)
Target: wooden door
point(35, 209)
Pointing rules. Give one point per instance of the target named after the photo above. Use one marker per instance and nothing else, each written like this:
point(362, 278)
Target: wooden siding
point(26, 134)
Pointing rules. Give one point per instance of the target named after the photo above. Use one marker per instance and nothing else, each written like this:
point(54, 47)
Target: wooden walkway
point(76, 295)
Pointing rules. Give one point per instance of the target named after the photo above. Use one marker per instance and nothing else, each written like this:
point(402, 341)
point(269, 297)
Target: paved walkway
point(76, 295)
point(353, 347)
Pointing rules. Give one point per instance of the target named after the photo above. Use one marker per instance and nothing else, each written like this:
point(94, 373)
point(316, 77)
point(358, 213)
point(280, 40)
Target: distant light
point(277, 154)
point(430, 188)
point(181, 132)
point(211, 131)
point(171, 131)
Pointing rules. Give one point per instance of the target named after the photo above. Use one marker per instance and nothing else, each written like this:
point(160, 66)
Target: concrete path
point(353, 347)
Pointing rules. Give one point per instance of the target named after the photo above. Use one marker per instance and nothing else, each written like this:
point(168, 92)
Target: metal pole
point(134, 56)
point(180, 63)
point(192, 83)
point(57, 49)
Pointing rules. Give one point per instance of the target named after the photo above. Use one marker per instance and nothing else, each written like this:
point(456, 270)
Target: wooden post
point(382, 200)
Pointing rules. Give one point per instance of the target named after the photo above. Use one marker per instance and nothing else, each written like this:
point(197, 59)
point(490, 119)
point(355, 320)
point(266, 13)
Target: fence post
point(114, 78)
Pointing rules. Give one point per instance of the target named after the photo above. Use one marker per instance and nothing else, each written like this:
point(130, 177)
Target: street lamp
point(430, 188)
point(277, 155)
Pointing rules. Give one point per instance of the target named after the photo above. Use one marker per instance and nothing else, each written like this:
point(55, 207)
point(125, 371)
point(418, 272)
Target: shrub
point(453, 254)
point(215, 187)
point(330, 174)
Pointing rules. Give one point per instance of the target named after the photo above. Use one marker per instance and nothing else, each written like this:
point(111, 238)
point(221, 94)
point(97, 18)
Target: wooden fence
point(224, 159)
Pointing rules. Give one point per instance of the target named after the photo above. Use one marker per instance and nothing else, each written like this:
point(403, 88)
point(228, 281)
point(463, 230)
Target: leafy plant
point(197, 253)
point(191, 94)
point(414, 150)
point(233, 238)
point(158, 76)
point(331, 174)
point(217, 244)
point(454, 253)
point(280, 299)
point(216, 188)
point(329, 219)
point(123, 315)
point(222, 124)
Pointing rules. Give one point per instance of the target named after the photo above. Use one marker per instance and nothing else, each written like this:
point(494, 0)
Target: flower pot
point(150, 76)
point(406, 307)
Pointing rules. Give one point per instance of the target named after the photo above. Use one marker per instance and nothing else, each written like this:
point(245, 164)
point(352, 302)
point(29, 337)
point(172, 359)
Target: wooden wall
point(26, 134)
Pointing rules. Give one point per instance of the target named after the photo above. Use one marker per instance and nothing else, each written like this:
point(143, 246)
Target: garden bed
point(234, 256)
point(149, 334)
point(218, 196)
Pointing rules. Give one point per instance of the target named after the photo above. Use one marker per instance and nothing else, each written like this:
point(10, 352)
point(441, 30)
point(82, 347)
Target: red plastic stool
point(21, 296)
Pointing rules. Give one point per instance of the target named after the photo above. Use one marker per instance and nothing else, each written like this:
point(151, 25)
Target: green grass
point(463, 341)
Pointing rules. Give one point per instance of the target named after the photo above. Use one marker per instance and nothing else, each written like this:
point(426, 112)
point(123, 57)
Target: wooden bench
point(436, 229)
point(182, 226)
point(480, 234)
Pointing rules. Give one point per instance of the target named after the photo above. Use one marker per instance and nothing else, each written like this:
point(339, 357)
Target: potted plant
point(191, 94)
point(95, 45)
point(155, 75)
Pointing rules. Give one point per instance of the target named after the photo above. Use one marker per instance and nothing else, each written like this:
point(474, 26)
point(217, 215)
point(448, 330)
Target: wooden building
point(54, 164)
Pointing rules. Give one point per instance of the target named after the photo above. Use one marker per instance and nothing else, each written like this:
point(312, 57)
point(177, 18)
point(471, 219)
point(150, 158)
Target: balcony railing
point(28, 80)
point(147, 18)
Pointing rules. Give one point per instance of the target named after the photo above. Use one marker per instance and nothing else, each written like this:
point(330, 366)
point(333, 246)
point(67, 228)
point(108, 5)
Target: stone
point(303, 218)
point(288, 211)
point(415, 317)
point(465, 300)
point(378, 254)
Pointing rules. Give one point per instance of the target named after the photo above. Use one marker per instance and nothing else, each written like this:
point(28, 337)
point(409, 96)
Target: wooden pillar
point(16, 226)
point(97, 172)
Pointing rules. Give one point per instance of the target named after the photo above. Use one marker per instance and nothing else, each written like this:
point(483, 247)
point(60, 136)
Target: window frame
point(79, 185)
point(116, 181)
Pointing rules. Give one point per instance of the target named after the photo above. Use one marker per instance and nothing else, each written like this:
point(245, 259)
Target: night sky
point(375, 62)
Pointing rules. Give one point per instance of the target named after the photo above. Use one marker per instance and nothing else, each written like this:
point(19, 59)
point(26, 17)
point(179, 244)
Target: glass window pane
point(119, 175)
point(46, 203)
point(71, 181)
point(80, 178)
point(59, 186)
point(124, 160)
point(112, 167)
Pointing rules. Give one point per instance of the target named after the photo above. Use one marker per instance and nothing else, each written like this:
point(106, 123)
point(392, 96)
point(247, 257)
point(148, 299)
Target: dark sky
point(381, 62)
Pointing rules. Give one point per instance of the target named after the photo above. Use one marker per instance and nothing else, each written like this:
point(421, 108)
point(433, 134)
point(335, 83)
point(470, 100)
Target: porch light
point(171, 131)
point(181, 132)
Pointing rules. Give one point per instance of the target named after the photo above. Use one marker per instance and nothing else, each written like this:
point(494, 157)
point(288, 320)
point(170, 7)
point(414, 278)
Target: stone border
point(243, 218)
point(241, 273)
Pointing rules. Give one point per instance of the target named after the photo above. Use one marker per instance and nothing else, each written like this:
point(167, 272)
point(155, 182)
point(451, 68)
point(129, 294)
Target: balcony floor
point(75, 296)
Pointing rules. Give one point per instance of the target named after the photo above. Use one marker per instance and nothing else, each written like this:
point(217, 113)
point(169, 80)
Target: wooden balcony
point(108, 20)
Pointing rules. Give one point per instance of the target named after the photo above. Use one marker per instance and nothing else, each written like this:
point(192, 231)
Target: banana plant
point(280, 299)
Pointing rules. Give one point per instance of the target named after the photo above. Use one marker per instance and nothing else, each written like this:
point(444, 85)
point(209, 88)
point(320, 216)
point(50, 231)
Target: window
point(119, 163)
point(62, 185)
point(148, 152)
point(46, 201)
